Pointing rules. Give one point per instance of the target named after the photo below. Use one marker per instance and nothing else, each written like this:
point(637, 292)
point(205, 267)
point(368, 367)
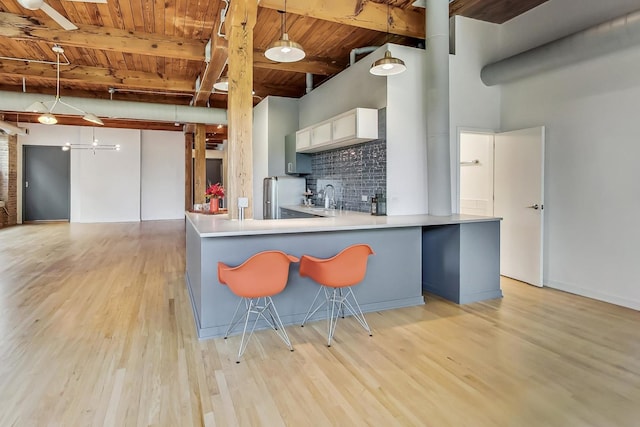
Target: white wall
point(353, 87)
point(106, 186)
point(476, 179)
point(591, 180)
point(406, 133)
point(472, 104)
point(162, 175)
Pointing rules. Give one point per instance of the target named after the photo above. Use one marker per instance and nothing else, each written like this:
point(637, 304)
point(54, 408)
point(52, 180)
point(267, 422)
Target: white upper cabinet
point(353, 127)
point(303, 139)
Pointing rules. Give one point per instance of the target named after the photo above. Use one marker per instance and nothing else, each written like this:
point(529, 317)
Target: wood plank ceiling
point(154, 50)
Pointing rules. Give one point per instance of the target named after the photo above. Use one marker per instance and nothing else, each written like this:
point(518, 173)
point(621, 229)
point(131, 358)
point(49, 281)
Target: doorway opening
point(502, 175)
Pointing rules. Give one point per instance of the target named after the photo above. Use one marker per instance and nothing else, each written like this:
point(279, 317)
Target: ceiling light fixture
point(284, 50)
point(388, 65)
point(94, 145)
point(47, 117)
point(222, 84)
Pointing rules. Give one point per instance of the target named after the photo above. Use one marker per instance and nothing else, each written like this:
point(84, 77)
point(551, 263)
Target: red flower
point(215, 190)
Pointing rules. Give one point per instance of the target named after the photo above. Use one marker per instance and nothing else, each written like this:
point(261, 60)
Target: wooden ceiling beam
point(357, 13)
point(114, 40)
point(318, 66)
point(95, 75)
point(212, 72)
point(93, 37)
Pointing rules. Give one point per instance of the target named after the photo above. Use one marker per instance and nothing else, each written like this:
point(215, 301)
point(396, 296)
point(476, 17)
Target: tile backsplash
point(354, 171)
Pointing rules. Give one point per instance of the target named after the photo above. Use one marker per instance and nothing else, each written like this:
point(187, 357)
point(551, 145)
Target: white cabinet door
point(321, 134)
point(344, 127)
point(303, 139)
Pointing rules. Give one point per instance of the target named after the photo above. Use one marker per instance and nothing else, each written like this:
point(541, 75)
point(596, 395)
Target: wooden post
point(242, 18)
point(188, 171)
point(200, 167)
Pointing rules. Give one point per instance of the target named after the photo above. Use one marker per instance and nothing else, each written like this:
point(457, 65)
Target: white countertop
point(221, 226)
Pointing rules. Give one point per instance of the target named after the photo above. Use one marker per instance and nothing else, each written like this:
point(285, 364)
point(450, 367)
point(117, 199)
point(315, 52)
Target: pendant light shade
point(47, 119)
point(222, 84)
point(92, 118)
point(284, 50)
point(387, 66)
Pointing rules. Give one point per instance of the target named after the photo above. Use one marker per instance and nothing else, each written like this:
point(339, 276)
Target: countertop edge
point(221, 226)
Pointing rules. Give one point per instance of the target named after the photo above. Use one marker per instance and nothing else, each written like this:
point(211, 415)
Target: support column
point(437, 81)
point(188, 171)
point(9, 180)
point(242, 18)
point(200, 164)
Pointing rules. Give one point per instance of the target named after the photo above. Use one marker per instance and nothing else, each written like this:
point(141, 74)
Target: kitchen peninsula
point(456, 257)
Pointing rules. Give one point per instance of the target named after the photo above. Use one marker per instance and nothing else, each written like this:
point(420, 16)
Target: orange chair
point(342, 271)
point(256, 280)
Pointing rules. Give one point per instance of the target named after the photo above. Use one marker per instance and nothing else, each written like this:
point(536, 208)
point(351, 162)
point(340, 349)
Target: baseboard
point(589, 293)
point(296, 319)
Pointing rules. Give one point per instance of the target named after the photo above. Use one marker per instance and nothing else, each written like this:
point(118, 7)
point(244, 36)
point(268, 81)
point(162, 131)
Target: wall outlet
point(364, 198)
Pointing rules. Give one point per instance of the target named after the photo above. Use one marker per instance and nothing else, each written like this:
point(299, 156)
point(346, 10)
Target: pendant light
point(94, 145)
point(284, 50)
point(388, 65)
point(47, 117)
point(222, 84)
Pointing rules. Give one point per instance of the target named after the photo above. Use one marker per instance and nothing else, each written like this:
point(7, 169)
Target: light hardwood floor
point(96, 329)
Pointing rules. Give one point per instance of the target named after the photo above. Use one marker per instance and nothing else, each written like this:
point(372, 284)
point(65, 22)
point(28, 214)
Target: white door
point(519, 200)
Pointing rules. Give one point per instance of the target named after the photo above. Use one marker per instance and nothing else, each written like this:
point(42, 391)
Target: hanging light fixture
point(284, 50)
point(388, 65)
point(222, 84)
point(94, 145)
point(47, 117)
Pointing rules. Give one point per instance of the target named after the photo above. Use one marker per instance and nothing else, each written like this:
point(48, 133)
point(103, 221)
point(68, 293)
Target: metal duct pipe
point(18, 101)
point(309, 82)
point(360, 51)
point(611, 36)
point(437, 83)
point(12, 129)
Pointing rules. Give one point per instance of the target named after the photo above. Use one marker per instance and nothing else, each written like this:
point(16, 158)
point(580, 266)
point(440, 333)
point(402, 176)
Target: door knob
point(536, 206)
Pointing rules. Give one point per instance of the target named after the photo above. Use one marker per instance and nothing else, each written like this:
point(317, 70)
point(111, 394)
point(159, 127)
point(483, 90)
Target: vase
point(214, 205)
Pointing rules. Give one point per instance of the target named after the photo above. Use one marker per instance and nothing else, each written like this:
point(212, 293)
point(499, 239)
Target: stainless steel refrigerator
point(281, 191)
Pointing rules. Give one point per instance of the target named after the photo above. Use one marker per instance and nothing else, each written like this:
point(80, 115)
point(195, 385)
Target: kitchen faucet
point(329, 201)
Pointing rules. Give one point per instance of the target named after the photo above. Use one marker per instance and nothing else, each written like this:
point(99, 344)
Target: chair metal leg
point(333, 322)
point(234, 322)
point(282, 333)
point(257, 307)
point(243, 343)
point(358, 315)
point(340, 299)
point(311, 313)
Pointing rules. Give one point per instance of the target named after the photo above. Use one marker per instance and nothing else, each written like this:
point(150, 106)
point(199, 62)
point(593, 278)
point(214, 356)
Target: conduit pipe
point(12, 129)
point(309, 79)
point(608, 37)
point(360, 51)
point(437, 86)
point(17, 101)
